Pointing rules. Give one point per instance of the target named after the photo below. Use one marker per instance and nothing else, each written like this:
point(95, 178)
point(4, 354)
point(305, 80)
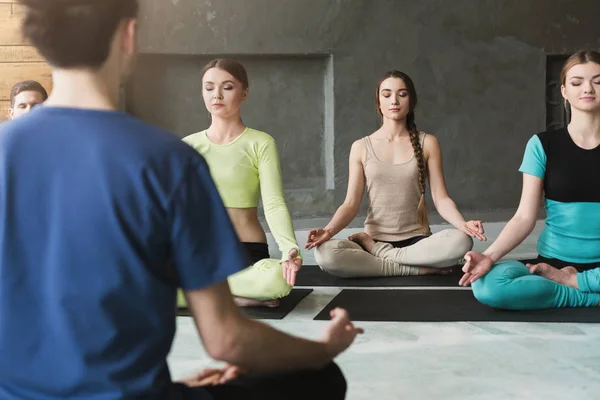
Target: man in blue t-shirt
point(102, 218)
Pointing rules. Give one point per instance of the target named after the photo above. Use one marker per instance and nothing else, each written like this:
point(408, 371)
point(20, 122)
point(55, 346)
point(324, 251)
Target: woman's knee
point(262, 281)
point(486, 293)
point(492, 289)
point(329, 256)
point(181, 302)
point(461, 242)
point(451, 245)
point(276, 286)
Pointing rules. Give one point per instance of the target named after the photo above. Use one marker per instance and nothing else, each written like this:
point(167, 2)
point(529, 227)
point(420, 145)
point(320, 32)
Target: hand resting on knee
point(255, 347)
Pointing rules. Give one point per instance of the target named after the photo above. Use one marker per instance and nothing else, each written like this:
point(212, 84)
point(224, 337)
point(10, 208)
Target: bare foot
point(244, 302)
point(364, 240)
point(570, 270)
point(566, 276)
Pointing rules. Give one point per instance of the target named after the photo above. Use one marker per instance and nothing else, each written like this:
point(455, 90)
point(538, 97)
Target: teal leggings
point(510, 285)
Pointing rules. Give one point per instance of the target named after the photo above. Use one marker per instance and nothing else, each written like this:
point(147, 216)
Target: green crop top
point(242, 169)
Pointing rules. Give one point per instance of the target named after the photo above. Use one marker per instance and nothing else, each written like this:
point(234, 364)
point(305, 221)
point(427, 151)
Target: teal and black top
point(571, 177)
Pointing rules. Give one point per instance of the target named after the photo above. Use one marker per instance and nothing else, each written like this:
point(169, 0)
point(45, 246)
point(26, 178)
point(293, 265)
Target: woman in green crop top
point(244, 164)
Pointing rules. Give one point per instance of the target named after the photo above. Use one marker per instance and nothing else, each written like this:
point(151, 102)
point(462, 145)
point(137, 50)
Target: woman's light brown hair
point(233, 67)
point(581, 57)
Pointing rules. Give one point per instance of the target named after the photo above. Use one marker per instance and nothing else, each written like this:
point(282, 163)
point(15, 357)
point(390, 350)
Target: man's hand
point(341, 332)
point(212, 376)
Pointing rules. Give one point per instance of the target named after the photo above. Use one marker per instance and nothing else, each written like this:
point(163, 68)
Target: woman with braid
point(393, 164)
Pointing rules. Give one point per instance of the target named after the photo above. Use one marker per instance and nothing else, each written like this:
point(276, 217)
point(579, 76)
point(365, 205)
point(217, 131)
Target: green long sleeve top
point(245, 169)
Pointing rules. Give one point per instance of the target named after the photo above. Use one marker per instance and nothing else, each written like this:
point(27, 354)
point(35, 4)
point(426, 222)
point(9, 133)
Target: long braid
point(416, 144)
point(414, 140)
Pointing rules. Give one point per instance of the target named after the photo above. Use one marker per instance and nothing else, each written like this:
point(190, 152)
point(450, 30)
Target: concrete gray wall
point(479, 67)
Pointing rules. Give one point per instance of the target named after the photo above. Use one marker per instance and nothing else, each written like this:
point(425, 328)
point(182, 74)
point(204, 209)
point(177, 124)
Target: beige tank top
point(394, 194)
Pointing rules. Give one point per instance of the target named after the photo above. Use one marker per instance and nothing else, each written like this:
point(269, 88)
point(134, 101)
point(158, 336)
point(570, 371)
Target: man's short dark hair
point(75, 33)
point(26, 86)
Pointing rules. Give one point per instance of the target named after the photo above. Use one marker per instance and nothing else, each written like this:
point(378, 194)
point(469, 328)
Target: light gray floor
point(462, 361)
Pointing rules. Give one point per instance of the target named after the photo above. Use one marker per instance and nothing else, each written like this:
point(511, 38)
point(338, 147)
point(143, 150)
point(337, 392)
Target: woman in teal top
point(561, 167)
point(245, 166)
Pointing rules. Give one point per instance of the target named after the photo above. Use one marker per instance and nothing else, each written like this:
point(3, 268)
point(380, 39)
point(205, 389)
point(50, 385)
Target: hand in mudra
point(212, 376)
point(477, 265)
point(316, 237)
point(291, 267)
point(474, 229)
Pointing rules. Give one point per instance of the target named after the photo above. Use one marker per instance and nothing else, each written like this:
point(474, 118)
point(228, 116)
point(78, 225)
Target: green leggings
point(510, 285)
point(262, 281)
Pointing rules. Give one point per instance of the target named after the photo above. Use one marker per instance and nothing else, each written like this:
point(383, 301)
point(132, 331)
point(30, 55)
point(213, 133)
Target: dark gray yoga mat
point(288, 303)
point(313, 276)
point(414, 305)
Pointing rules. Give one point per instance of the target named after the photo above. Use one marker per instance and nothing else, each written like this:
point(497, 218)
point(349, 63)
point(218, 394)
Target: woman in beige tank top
point(393, 165)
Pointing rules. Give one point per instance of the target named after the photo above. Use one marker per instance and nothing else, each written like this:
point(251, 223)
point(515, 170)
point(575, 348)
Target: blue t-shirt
point(571, 196)
point(102, 218)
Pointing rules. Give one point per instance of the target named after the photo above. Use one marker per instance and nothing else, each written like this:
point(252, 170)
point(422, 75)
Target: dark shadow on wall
point(557, 115)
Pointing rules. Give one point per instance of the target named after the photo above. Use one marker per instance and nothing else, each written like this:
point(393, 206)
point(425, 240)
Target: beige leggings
point(347, 259)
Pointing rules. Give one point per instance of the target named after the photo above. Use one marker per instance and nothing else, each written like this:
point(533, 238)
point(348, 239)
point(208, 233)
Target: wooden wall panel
point(18, 61)
point(10, 26)
point(12, 73)
point(18, 9)
point(4, 106)
point(11, 54)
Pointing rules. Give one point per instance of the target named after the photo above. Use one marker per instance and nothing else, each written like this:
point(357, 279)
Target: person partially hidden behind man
point(24, 96)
